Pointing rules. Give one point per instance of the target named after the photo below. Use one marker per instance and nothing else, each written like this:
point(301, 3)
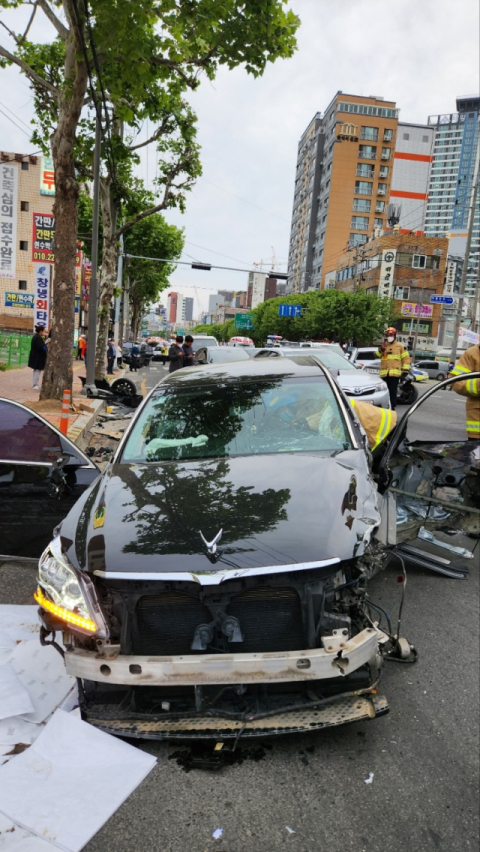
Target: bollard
point(64, 414)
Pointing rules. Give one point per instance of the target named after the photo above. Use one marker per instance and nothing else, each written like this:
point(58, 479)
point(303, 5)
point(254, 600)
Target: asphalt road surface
point(423, 755)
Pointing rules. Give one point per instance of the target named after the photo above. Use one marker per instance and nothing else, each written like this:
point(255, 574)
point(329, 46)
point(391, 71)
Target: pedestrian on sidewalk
point(110, 356)
point(82, 345)
point(38, 355)
point(119, 355)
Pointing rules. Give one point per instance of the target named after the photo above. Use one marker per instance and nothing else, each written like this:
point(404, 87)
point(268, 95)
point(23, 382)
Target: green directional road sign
point(244, 322)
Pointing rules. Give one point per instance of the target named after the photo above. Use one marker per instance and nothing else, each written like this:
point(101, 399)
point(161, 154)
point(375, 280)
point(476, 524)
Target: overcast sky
point(419, 53)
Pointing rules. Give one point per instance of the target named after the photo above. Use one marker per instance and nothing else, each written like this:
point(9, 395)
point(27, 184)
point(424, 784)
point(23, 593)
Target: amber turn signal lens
point(64, 614)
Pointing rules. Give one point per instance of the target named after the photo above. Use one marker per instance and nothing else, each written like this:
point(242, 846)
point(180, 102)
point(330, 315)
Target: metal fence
point(14, 349)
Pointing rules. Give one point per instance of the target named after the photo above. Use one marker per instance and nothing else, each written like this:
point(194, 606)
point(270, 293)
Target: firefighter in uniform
point(377, 422)
point(395, 360)
point(470, 363)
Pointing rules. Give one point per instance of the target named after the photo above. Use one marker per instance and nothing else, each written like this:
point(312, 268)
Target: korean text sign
point(43, 238)
point(19, 300)
point(8, 219)
point(47, 177)
point(42, 295)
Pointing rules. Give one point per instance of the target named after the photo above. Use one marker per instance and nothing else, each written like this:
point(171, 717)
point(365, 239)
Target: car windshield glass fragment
point(239, 419)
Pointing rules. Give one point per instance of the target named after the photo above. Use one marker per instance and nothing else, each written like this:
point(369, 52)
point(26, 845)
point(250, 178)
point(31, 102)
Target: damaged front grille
point(165, 623)
point(270, 619)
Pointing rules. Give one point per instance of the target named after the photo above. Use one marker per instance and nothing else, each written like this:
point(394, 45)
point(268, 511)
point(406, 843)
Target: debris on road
point(41, 738)
point(290, 830)
point(217, 833)
point(369, 780)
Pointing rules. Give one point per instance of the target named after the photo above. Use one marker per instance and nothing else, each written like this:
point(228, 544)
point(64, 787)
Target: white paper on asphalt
point(41, 670)
point(16, 730)
point(70, 781)
point(16, 839)
point(19, 622)
point(14, 698)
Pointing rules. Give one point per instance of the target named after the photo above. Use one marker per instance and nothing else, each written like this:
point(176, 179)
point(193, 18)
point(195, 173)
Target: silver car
point(354, 381)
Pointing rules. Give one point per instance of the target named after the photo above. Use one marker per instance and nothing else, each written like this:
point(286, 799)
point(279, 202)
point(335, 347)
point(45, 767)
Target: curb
point(84, 422)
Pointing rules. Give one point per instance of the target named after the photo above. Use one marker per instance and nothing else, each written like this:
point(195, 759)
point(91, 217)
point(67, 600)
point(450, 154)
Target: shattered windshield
point(235, 419)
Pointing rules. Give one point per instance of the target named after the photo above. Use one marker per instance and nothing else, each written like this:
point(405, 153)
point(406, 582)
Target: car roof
point(247, 371)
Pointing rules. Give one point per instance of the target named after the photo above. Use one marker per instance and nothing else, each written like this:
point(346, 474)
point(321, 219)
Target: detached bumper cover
point(207, 669)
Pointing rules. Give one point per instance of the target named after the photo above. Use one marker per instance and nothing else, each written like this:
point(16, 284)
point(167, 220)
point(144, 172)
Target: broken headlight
point(67, 594)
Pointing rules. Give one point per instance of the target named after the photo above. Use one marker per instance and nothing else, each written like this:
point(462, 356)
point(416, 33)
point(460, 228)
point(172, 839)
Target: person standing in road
point(38, 355)
point(175, 353)
point(135, 357)
point(188, 353)
point(395, 360)
point(470, 363)
point(110, 356)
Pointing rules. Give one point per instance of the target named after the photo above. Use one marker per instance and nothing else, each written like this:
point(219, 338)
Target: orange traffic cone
point(64, 414)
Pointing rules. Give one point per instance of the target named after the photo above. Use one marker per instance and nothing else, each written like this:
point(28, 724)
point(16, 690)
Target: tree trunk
point(135, 318)
point(108, 277)
point(58, 374)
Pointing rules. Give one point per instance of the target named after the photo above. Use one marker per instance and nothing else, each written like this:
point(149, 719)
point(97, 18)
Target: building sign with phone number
point(43, 238)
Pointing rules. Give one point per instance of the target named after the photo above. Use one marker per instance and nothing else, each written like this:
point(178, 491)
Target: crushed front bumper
point(228, 695)
point(338, 659)
point(342, 710)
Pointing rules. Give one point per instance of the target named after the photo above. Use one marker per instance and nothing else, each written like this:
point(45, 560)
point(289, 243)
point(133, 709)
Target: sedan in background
point(419, 375)
point(355, 383)
point(220, 354)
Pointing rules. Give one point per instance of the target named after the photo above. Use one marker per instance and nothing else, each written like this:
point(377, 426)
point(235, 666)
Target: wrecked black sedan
point(213, 581)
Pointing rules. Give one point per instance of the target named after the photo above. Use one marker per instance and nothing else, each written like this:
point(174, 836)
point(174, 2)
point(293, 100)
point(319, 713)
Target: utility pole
point(471, 217)
point(93, 299)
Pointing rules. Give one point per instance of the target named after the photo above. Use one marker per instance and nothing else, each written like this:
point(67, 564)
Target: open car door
point(429, 480)
point(42, 474)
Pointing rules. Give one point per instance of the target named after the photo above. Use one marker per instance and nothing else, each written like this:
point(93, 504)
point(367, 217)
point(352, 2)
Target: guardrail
point(14, 349)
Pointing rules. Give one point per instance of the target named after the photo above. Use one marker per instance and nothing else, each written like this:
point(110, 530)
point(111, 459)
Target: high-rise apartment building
point(411, 169)
point(305, 203)
point(256, 288)
point(188, 309)
point(456, 140)
point(342, 184)
point(172, 301)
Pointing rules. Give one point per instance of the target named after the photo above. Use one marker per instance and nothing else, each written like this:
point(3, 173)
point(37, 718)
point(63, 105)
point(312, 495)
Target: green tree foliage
point(151, 237)
point(138, 56)
point(330, 315)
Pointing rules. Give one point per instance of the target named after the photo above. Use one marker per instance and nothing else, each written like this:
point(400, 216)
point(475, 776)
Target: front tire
point(408, 395)
point(124, 386)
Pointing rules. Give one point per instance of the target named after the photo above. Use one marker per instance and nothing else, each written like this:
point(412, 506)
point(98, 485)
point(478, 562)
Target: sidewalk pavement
point(16, 384)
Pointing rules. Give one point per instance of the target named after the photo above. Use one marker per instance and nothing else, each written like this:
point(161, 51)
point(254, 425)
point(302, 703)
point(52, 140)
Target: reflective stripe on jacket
point(470, 363)
point(377, 422)
point(394, 359)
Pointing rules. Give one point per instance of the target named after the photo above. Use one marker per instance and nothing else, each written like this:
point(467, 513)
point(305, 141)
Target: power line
point(16, 116)
point(244, 200)
point(15, 123)
point(205, 266)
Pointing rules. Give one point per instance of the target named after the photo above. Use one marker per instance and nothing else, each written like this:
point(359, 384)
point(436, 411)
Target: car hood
point(273, 510)
point(359, 379)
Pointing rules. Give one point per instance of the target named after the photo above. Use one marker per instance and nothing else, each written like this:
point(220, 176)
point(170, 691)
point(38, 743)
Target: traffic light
point(410, 344)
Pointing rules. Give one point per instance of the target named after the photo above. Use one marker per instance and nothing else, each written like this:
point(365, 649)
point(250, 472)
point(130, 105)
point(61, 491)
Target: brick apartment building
point(406, 267)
